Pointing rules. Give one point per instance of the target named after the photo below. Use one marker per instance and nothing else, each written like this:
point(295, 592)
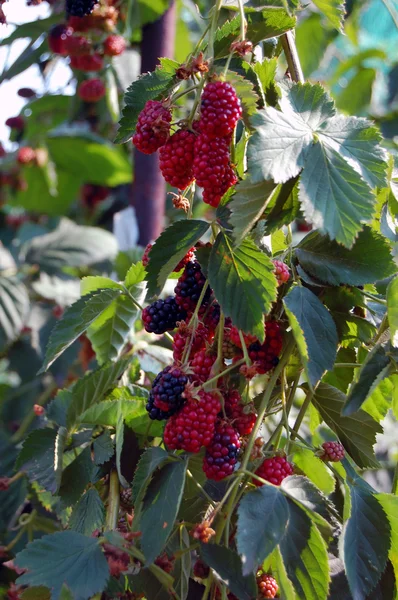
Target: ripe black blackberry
point(165, 398)
point(162, 315)
point(221, 455)
point(190, 286)
point(79, 8)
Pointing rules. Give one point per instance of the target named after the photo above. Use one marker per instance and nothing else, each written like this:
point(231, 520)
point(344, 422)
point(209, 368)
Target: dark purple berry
point(162, 316)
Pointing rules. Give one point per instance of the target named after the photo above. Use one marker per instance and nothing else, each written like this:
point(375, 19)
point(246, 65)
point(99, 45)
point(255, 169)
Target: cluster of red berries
point(267, 586)
point(332, 452)
point(274, 470)
point(200, 154)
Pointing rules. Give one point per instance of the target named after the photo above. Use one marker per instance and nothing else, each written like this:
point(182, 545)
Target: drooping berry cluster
point(274, 470)
point(332, 452)
point(162, 316)
point(153, 127)
point(166, 396)
point(176, 159)
point(221, 455)
point(267, 586)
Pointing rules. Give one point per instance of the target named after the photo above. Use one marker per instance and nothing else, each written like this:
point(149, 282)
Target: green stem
point(243, 23)
point(164, 578)
point(207, 589)
point(227, 370)
point(373, 298)
point(212, 31)
point(342, 365)
point(112, 514)
point(394, 489)
point(184, 92)
point(383, 327)
point(292, 58)
point(244, 348)
point(301, 415)
point(202, 490)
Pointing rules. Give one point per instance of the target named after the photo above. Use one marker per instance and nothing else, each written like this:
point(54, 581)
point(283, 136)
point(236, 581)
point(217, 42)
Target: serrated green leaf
point(243, 282)
point(134, 276)
point(375, 368)
point(75, 478)
point(76, 319)
point(65, 557)
point(286, 589)
point(392, 310)
point(94, 283)
point(353, 330)
point(150, 86)
point(103, 447)
point(379, 402)
point(341, 377)
point(151, 459)
point(170, 247)
point(317, 331)
point(390, 507)
point(366, 262)
point(57, 410)
point(14, 307)
point(366, 541)
point(312, 54)
point(228, 567)
point(161, 504)
point(93, 387)
point(283, 208)
point(88, 514)
point(266, 72)
point(315, 469)
point(263, 516)
point(333, 10)
point(248, 205)
point(357, 432)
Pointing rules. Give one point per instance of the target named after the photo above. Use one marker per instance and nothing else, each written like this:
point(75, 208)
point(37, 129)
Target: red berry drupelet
point(92, 90)
point(235, 338)
point(87, 62)
point(221, 455)
point(201, 365)
point(57, 37)
point(212, 169)
point(176, 159)
point(190, 286)
point(333, 452)
point(274, 470)
point(267, 586)
point(162, 316)
point(194, 425)
point(153, 127)
point(114, 45)
point(220, 109)
point(166, 398)
point(243, 417)
point(26, 155)
point(266, 355)
point(281, 272)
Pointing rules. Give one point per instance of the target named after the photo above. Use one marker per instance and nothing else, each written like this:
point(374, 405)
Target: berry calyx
point(114, 45)
point(274, 470)
point(92, 90)
point(153, 127)
point(57, 37)
point(221, 455)
point(332, 452)
point(220, 109)
point(194, 425)
point(190, 286)
point(281, 272)
point(162, 316)
point(26, 155)
point(267, 586)
point(176, 159)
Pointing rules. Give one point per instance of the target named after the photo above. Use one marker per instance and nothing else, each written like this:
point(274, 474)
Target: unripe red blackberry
point(17, 123)
point(194, 425)
point(333, 452)
point(26, 155)
point(57, 37)
point(266, 355)
point(38, 410)
point(213, 195)
point(79, 23)
point(184, 261)
point(182, 337)
point(91, 90)
point(201, 365)
point(162, 316)
point(92, 194)
point(248, 338)
point(77, 45)
point(165, 562)
point(153, 127)
point(87, 63)
point(79, 8)
point(267, 586)
point(242, 417)
point(145, 256)
point(201, 570)
point(190, 286)
point(221, 455)
point(212, 158)
point(176, 159)
point(281, 272)
point(220, 109)
point(274, 470)
point(114, 45)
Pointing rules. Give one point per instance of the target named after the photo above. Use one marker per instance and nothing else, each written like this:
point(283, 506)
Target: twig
point(292, 58)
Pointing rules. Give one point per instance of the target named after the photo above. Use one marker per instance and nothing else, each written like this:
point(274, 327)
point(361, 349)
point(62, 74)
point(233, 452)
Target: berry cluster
point(274, 470)
point(332, 452)
point(265, 356)
point(267, 586)
point(200, 154)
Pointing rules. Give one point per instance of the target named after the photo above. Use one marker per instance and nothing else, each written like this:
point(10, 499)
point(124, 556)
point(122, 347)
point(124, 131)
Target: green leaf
point(94, 283)
point(390, 507)
point(341, 377)
point(392, 310)
point(150, 86)
point(245, 91)
point(263, 516)
point(353, 330)
point(103, 448)
point(305, 556)
point(93, 387)
point(119, 441)
point(69, 245)
point(65, 557)
point(308, 496)
point(151, 459)
point(76, 319)
point(32, 29)
point(36, 593)
point(357, 95)
point(366, 541)
point(135, 275)
point(96, 161)
point(366, 262)
point(286, 590)
point(28, 57)
point(88, 514)
point(333, 10)
point(14, 307)
point(75, 478)
point(248, 205)
point(228, 567)
point(41, 457)
point(266, 72)
point(283, 208)
point(160, 508)
point(315, 469)
point(243, 283)
point(357, 432)
point(170, 247)
point(312, 54)
point(261, 25)
point(374, 369)
point(314, 330)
